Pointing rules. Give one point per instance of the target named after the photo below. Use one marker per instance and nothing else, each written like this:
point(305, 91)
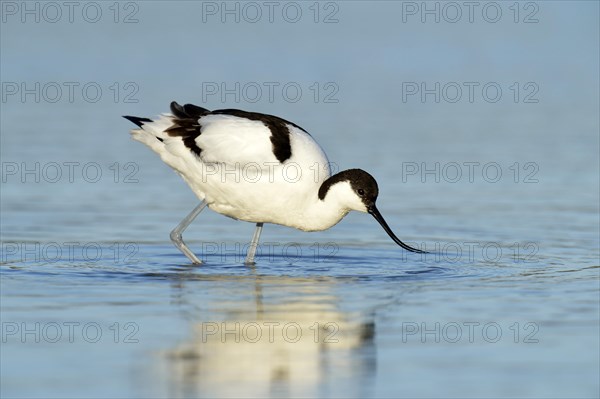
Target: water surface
point(96, 302)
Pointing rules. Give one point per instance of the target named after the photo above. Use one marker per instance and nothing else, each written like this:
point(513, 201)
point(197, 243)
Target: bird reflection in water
point(291, 340)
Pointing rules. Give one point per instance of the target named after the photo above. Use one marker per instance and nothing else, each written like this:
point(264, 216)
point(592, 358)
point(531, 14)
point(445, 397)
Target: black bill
point(375, 212)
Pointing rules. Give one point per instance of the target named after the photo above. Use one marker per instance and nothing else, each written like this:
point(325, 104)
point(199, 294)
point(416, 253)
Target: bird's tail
point(171, 148)
point(151, 132)
point(182, 120)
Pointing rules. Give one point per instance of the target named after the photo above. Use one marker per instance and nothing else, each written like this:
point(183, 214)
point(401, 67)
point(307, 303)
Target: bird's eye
point(361, 191)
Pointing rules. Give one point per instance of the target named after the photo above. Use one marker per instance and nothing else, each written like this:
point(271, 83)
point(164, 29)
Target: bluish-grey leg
point(254, 244)
point(178, 231)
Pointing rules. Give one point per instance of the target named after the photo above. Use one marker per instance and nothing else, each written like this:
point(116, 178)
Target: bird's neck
point(321, 214)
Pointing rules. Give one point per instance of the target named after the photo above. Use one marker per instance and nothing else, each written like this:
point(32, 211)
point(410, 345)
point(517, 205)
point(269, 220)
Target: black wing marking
point(280, 132)
point(186, 125)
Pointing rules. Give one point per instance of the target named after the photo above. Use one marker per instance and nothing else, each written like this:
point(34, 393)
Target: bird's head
point(357, 190)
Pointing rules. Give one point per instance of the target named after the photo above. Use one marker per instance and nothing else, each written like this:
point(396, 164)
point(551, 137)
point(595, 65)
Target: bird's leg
point(178, 231)
point(253, 244)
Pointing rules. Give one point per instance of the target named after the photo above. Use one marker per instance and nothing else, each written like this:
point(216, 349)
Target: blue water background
point(516, 259)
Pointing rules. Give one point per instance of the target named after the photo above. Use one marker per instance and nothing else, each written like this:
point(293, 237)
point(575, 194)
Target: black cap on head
point(363, 184)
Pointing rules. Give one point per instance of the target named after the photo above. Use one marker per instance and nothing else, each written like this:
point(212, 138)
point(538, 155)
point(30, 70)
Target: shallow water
point(96, 302)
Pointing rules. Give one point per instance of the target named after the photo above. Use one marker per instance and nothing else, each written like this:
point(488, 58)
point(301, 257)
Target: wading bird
point(257, 168)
